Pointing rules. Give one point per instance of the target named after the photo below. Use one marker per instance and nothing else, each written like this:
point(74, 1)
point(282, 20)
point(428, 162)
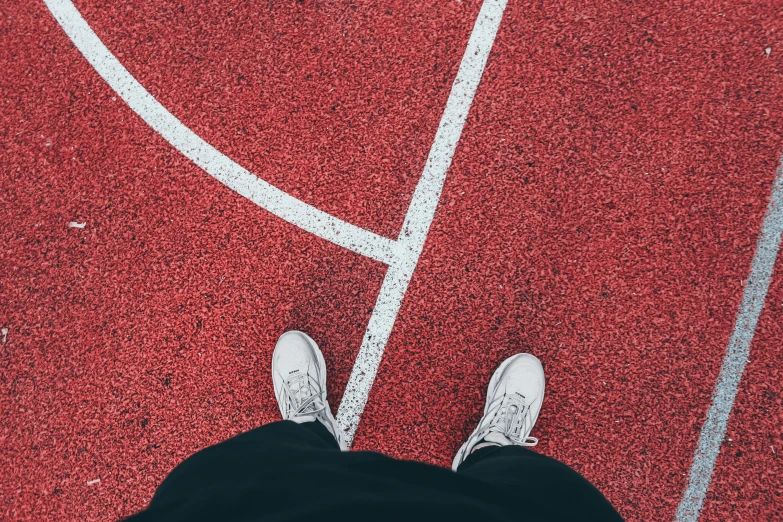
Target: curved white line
point(215, 163)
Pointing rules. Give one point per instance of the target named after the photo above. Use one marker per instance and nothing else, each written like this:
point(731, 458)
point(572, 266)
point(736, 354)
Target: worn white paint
point(737, 352)
point(419, 216)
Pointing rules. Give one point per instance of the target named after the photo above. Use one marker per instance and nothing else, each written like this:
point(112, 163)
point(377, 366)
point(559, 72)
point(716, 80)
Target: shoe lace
point(511, 418)
point(302, 396)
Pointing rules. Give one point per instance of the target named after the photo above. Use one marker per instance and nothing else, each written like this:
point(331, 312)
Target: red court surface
point(601, 211)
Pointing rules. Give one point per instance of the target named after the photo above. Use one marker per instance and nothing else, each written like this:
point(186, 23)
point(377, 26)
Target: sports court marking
point(419, 216)
point(400, 255)
point(218, 165)
point(737, 352)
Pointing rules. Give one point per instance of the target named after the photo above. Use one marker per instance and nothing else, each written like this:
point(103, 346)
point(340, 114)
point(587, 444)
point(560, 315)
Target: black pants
point(286, 471)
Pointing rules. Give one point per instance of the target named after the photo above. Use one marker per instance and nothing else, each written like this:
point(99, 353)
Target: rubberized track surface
point(601, 211)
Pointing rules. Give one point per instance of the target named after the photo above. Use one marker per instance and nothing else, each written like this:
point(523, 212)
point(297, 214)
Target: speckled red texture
point(334, 102)
point(747, 482)
point(148, 334)
point(601, 212)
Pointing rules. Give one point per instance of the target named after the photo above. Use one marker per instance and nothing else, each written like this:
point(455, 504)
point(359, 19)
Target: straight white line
point(419, 216)
point(206, 156)
point(737, 352)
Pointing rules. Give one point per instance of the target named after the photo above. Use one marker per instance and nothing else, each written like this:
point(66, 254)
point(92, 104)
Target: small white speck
point(76, 224)
point(94, 481)
point(731, 440)
point(768, 50)
point(4, 331)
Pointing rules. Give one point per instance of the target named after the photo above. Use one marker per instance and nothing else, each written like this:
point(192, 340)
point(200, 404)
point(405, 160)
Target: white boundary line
point(218, 165)
point(419, 216)
point(714, 429)
point(401, 255)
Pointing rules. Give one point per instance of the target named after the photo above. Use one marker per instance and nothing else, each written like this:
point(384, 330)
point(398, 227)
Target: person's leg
point(228, 460)
point(308, 431)
point(524, 472)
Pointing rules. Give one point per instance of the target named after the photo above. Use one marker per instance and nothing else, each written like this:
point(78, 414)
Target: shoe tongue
point(305, 418)
point(497, 438)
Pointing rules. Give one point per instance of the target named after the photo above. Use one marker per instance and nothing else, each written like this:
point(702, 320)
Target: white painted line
point(207, 157)
point(419, 216)
point(714, 429)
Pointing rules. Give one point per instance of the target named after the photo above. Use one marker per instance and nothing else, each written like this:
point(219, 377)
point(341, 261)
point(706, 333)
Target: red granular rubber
point(335, 103)
point(601, 212)
point(147, 334)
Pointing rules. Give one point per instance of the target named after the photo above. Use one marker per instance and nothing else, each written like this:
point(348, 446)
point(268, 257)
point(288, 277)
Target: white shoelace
point(511, 418)
point(302, 396)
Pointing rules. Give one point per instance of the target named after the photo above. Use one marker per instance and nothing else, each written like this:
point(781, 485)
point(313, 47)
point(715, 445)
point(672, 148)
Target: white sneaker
point(514, 399)
point(299, 377)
